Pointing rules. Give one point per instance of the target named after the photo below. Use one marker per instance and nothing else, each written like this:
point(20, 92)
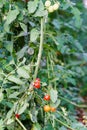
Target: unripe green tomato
point(56, 6)
point(50, 9)
point(47, 3)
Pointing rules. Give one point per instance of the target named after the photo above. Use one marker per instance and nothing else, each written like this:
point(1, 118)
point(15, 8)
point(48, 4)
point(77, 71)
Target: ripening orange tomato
point(46, 108)
point(53, 109)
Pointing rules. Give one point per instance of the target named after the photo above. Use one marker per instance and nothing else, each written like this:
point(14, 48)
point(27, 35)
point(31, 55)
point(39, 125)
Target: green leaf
point(9, 46)
point(34, 35)
point(11, 16)
point(9, 121)
point(33, 114)
point(78, 126)
point(23, 108)
point(21, 53)
point(6, 27)
point(14, 79)
point(1, 95)
point(79, 46)
point(63, 128)
point(54, 95)
point(23, 73)
point(2, 2)
point(40, 12)
point(71, 80)
point(24, 27)
point(32, 6)
point(78, 19)
point(1, 125)
point(48, 127)
point(14, 95)
point(36, 126)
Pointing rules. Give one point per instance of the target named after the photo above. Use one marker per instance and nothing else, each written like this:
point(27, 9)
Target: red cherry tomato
point(36, 84)
point(47, 97)
point(37, 79)
point(17, 115)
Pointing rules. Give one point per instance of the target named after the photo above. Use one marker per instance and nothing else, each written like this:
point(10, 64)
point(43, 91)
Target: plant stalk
point(64, 124)
point(40, 48)
point(21, 124)
point(73, 103)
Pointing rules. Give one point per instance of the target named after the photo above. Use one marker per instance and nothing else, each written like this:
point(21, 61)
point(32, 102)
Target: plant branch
point(40, 48)
point(64, 124)
point(21, 124)
point(73, 103)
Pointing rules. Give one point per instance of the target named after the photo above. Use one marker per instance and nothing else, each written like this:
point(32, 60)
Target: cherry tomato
point(47, 3)
point(50, 9)
point(56, 6)
point(36, 83)
point(37, 79)
point(47, 97)
point(17, 115)
point(46, 108)
point(53, 109)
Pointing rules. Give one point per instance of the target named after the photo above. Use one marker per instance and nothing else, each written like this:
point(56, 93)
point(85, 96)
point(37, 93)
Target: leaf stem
point(40, 48)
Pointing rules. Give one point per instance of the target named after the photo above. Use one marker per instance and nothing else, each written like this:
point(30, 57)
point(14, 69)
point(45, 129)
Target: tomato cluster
point(47, 108)
point(51, 8)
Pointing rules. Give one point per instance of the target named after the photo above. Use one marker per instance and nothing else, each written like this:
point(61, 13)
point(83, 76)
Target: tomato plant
point(44, 39)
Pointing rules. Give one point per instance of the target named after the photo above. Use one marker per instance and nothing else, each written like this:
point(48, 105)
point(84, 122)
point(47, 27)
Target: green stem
point(63, 116)
point(73, 103)
point(40, 48)
point(64, 124)
point(48, 68)
point(21, 124)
